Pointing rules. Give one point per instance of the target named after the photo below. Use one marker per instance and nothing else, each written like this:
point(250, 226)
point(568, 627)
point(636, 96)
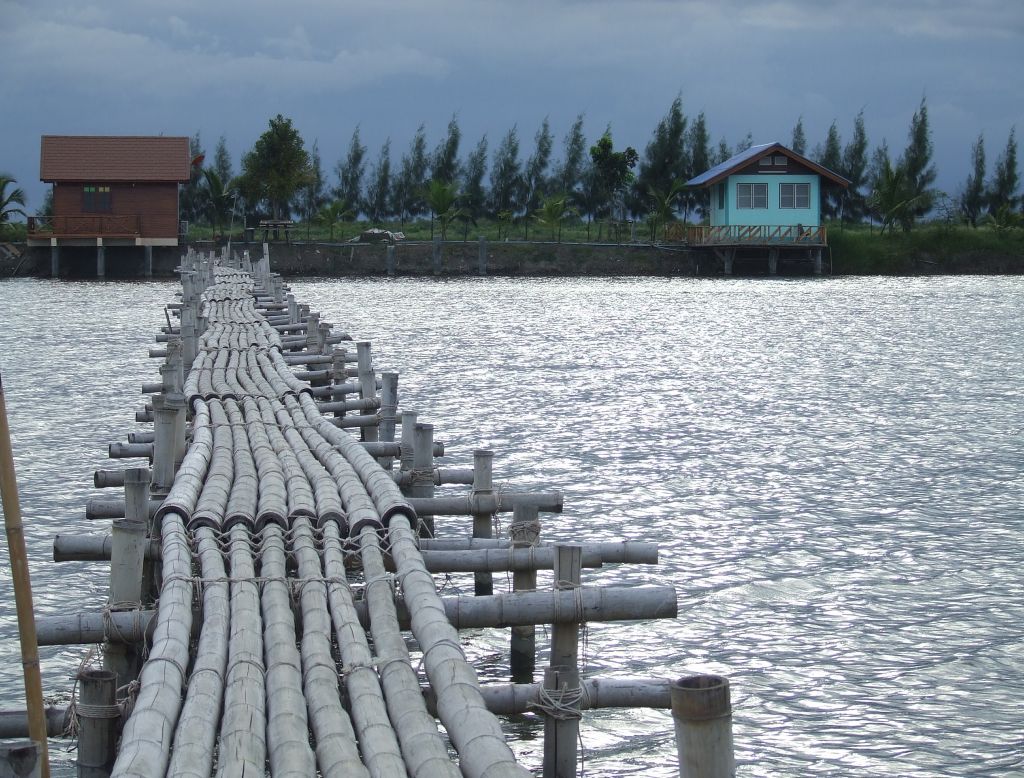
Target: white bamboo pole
point(423, 748)
point(287, 725)
point(195, 737)
point(147, 736)
point(337, 753)
point(242, 740)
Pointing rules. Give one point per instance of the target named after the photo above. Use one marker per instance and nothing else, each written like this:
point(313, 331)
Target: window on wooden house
point(794, 195)
point(751, 195)
point(95, 199)
point(780, 159)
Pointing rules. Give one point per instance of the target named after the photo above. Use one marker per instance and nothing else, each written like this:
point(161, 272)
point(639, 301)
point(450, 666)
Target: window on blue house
point(751, 195)
point(794, 195)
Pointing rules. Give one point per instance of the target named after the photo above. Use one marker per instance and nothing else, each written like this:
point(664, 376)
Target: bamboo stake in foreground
point(22, 590)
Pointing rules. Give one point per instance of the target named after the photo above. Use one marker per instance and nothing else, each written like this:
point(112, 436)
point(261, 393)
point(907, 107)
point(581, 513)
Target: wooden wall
point(155, 203)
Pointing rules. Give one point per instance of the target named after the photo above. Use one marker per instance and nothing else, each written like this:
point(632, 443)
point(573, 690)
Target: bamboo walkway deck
point(235, 633)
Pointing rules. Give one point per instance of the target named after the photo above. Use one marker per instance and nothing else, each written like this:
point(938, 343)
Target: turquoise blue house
point(765, 197)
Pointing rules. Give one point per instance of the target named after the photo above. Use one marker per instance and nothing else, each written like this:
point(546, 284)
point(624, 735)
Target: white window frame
point(745, 192)
point(795, 195)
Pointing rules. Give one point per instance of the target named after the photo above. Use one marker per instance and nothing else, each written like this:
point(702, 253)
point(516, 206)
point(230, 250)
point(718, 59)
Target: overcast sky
point(224, 67)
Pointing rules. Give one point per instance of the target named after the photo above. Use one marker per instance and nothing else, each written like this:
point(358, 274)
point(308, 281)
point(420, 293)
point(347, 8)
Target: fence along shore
point(268, 565)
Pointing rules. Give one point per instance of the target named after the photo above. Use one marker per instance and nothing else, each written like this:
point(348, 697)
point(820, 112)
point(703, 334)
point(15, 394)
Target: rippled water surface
point(832, 467)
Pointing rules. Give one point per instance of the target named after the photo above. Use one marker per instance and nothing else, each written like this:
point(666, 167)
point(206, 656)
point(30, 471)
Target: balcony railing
point(740, 235)
point(92, 226)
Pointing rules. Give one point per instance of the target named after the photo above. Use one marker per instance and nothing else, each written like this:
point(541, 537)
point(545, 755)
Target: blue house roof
point(754, 153)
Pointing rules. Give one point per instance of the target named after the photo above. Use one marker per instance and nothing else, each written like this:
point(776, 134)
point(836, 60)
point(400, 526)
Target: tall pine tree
point(972, 200)
point(535, 183)
point(698, 143)
point(831, 156)
point(350, 174)
point(855, 169)
point(569, 172)
point(1006, 178)
point(916, 163)
point(799, 141)
point(445, 160)
point(378, 188)
point(506, 176)
point(665, 161)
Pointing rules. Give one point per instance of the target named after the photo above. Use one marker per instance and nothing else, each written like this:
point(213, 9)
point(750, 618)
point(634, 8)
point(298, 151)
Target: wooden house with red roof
point(110, 191)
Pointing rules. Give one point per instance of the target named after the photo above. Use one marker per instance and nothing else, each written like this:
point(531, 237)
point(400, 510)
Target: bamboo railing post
point(524, 532)
point(483, 460)
point(22, 584)
point(127, 557)
point(97, 727)
point(367, 382)
point(423, 472)
point(388, 407)
point(562, 678)
point(189, 345)
point(702, 713)
point(408, 422)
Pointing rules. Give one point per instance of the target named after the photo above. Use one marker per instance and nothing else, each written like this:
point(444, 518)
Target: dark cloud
point(225, 67)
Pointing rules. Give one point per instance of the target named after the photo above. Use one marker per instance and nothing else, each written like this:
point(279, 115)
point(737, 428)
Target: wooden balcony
point(795, 236)
point(91, 226)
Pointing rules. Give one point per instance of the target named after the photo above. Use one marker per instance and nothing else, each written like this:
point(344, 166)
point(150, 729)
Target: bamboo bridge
point(273, 607)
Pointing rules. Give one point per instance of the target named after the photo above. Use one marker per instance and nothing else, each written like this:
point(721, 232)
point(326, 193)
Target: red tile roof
point(114, 158)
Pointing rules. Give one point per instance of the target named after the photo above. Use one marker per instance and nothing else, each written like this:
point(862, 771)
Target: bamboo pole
point(22, 588)
point(525, 533)
point(483, 483)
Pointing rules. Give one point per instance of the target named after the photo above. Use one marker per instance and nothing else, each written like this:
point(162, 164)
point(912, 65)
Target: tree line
point(455, 183)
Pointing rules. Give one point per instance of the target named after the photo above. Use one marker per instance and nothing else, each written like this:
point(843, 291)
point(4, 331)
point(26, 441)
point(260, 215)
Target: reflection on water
point(833, 468)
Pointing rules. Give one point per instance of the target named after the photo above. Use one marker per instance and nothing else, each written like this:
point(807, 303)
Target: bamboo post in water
point(423, 472)
point(483, 583)
point(703, 724)
point(388, 407)
point(127, 556)
point(22, 589)
point(561, 696)
point(97, 716)
point(524, 532)
point(367, 382)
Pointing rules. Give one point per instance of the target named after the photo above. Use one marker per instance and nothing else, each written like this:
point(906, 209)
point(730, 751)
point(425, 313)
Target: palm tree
point(552, 212)
point(663, 206)
point(894, 198)
point(442, 198)
point(9, 200)
point(220, 196)
point(330, 215)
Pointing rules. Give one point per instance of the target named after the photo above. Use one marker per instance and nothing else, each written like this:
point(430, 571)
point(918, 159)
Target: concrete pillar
point(147, 262)
point(773, 261)
point(390, 261)
point(21, 758)
point(730, 255)
point(817, 262)
point(482, 257)
point(562, 678)
point(436, 256)
point(101, 261)
point(54, 260)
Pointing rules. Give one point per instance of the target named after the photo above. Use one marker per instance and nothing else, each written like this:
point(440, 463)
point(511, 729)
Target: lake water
point(833, 468)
